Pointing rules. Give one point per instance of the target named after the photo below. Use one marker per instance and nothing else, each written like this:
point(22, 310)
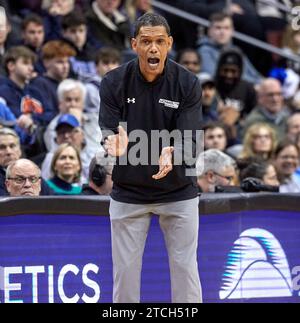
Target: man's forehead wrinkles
point(152, 35)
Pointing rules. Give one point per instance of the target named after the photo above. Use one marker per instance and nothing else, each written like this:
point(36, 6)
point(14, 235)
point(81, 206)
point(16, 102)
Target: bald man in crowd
point(271, 108)
point(23, 178)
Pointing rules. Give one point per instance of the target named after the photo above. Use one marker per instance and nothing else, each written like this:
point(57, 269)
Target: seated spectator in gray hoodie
point(220, 35)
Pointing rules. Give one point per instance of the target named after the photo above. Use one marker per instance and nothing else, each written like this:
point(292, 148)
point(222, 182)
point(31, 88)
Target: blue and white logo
point(1, 278)
point(256, 267)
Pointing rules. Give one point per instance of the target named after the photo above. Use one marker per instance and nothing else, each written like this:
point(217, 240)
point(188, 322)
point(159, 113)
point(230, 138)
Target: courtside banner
point(58, 250)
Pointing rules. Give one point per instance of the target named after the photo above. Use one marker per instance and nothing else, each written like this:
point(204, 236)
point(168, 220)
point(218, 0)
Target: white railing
point(245, 38)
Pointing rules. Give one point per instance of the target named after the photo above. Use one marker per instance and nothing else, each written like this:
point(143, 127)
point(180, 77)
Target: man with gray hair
point(10, 151)
point(71, 96)
point(23, 178)
point(214, 168)
point(271, 108)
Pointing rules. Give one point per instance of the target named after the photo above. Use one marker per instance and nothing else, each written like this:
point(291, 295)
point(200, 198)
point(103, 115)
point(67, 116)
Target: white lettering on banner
point(90, 283)
point(34, 270)
point(296, 279)
point(68, 268)
point(1, 278)
point(50, 284)
point(8, 286)
point(10, 281)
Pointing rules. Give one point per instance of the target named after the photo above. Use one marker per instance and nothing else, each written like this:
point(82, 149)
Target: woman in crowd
point(259, 141)
point(286, 162)
point(259, 169)
point(66, 169)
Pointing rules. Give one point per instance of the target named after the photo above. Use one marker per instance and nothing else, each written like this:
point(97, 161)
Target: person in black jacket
point(74, 31)
point(238, 97)
point(152, 94)
point(107, 25)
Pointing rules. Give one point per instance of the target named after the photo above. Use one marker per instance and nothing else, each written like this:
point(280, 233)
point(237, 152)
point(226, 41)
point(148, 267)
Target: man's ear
point(7, 186)
point(133, 44)
point(46, 63)
point(209, 177)
point(10, 66)
point(8, 26)
point(170, 43)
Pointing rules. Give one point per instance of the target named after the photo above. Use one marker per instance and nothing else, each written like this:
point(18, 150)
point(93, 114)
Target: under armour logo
point(131, 100)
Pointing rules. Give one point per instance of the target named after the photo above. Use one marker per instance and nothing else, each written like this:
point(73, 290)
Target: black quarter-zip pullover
point(173, 101)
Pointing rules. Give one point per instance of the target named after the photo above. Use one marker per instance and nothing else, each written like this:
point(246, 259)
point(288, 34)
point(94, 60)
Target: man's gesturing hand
point(165, 163)
point(116, 145)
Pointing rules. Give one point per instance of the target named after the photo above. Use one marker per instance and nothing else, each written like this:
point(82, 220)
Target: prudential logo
point(256, 267)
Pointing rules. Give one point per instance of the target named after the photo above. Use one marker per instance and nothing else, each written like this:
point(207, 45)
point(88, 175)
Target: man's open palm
point(165, 163)
point(116, 145)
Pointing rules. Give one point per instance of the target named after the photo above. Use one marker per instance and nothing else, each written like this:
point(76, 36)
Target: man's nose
point(153, 48)
point(67, 134)
point(8, 150)
point(27, 183)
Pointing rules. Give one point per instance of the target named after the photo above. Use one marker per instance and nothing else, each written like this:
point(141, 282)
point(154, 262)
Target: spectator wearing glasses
point(10, 151)
point(214, 168)
point(286, 161)
point(270, 108)
point(71, 96)
point(260, 141)
point(68, 130)
point(23, 178)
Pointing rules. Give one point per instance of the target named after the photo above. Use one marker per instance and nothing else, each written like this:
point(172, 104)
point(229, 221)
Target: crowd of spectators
point(54, 54)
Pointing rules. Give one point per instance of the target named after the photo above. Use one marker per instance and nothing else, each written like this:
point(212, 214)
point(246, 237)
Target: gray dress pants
point(179, 222)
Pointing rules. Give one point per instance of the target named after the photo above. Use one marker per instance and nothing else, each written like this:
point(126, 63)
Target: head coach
point(152, 94)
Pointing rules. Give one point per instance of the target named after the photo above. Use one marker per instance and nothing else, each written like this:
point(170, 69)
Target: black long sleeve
point(172, 103)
